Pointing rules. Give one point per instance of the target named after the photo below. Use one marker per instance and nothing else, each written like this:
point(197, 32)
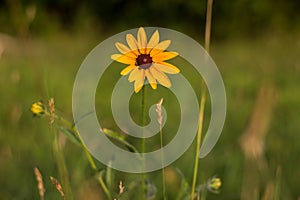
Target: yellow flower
point(146, 60)
point(214, 184)
point(37, 109)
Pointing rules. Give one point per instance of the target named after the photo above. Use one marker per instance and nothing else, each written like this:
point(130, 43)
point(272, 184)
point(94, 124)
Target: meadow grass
point(45, 67)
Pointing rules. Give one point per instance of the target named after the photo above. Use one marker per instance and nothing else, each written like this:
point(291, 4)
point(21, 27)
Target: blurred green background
point(254, 43)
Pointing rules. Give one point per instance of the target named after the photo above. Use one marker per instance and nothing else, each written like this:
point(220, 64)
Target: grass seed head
point(51, 110)
point(39, 179)
point(58, 186)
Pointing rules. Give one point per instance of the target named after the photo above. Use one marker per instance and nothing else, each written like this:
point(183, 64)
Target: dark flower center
point(144, 61)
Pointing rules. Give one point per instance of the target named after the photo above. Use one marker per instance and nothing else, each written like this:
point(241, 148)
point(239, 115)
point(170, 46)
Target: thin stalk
point(203, 194)
point(92, 163)
point(208, 25)
point(143, 142)
point(203, 97)
point(159, 120)
point(162, 162)
point(86, 152)
point(277, 184)
point(62, 169)
point(105, 189)
point(198, 142)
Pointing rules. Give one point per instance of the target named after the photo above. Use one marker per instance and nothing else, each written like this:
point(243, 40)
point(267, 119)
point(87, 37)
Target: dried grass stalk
point(159, 112)
point(58, 186)
point(39, 179)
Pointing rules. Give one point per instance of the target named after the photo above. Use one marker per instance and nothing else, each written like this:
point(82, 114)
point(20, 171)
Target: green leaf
point(70, 135)
point(120, 138)
point(113, 134)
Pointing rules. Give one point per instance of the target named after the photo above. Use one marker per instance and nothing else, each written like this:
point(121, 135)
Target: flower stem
point(143, 142)
point(203, 96)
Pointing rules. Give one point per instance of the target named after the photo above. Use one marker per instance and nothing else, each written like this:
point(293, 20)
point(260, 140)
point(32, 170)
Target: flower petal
point(133, 75)
point(142, 39)
point(125, 50)
point(167, 68)
point(131, 41)
point(128, 69)
point(151, 79)
point(123, 59)
point(139, 81)
point(164, 56)
point(153, 41)
point(160, 77)
point(160, 47)
point(122, 48)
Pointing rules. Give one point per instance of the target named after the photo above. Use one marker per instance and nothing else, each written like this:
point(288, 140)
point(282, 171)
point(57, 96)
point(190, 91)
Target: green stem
point(92, 163)
point(162, 162)
point(62, 169)
point(86, 152)
point(203, 96)
point(101, 182)
point(203, 194)
point(88, 155)
point(143, 142)
point(199, 135)
point(208, 25)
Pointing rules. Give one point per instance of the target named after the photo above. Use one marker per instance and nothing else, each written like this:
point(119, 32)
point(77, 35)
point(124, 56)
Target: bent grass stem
point(199, 136)
point(203, 97)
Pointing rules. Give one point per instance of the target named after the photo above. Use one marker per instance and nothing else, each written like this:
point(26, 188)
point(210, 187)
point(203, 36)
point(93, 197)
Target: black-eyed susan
point(146, 59)
point(37, 109)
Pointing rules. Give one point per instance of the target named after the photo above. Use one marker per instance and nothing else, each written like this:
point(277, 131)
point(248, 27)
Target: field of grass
point(261, 77)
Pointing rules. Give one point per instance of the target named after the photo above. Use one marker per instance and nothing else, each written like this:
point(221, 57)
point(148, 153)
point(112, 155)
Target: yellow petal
point(128, 69)
point(160, 77)
point(123, 59)
point(131, 41)
point(133, 75)
point(122, 48)
point(139, 81)
point(151, 79)
point(160, 47)
point(142, 39)
point(167, 68)
point(153, 41)
point(164, 56)
point(125, 50)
